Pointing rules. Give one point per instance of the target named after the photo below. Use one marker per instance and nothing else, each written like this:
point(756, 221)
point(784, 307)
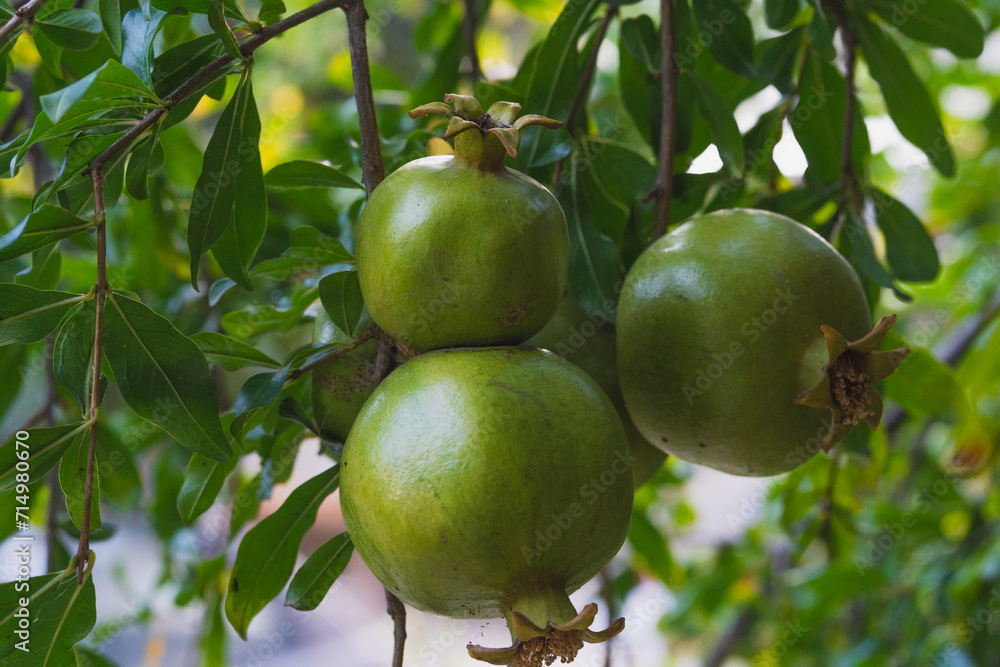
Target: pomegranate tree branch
point(664, 189)
point(209, 72)
point(587, 76)
point(371, 147)
point(846, 200)
point(101, 288)
point(23, 14)
point(469, 36)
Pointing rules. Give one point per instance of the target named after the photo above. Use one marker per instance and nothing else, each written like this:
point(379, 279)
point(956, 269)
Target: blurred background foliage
point(886, 552)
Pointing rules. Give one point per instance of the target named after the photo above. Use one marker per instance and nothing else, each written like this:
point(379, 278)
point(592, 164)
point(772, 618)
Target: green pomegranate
point(745, 343)
point(491, 482)
point(588, 341)
point(460, 250)
point(341, 385)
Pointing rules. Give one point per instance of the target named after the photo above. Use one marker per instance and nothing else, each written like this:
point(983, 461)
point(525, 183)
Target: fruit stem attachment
point(482, 139)
point(544, 626)
point(846, 385)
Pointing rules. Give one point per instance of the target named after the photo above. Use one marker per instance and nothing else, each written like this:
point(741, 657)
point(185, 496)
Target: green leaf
point(311, 245)
point(313, 580)
point(237, 247)
point(73, 353)
point(163, 376)
point(725, 131)
point(60, 614)
point(554, 77)
point(341, 296)
point(614, 179)
point(111, 17)
point(44, 447)
point(217, 21)
point(175, 66)
point(595, 264)
point(923, 385)
point(907, 99)
point(820, 33)
point(309, 174)
point(271, 11)
point(246, 504)
point(43, 226)
point(949, 24)
point(780, 13)
point(50, 53)
point(231, 354)
point(202, 483)
point(856, 244)
point(110, 81)
point(72, 479)
point(266, 556)
point(215, 191)
point(909, 249)
point(650, 545)
point(732, 35)
point(73, 29)
point(28, 314)
point(138, 33)
point(257, 392)
point(777, 59)
point(46, 265)
point(818, 121)
point(638, 54)
point(138, 167)
point(254, 319)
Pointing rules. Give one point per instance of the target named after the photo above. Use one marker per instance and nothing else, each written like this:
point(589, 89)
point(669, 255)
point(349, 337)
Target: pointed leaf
point(780, 13)
point(138, 33)
point(725, 131)
point(163, 376)
point(73, 353)
point(60, 614)
point(74, 29)
point(909, 249)
point(313, 580)
point(217, 21)
point(237, 247)
point(308, 174)
point(109, 81)
point(202, 484)
point(946, 23)
point(73, 477)
point(341, 296)
point(111, 17)
point(43, 226)
point(266, 556)
point(230, 353)
point(906, 97)
point(215, 192)
point(732, 43)
point(28, 314)
point(46, 265)
point(44, 447)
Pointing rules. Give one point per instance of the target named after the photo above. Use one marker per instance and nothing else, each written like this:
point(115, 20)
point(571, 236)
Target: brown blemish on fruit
point(522, 395)
point(515, 314)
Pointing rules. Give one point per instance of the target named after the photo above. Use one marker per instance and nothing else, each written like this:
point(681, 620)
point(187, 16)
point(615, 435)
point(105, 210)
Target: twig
point(587, 76)
point(397, 612)
point(97, 178)
point(664, 188)
point(469, 35)
point(848, 179)
point(23, 13)
point(371, 147)
point(206, 73)
point(608, 596)
point(721, 651)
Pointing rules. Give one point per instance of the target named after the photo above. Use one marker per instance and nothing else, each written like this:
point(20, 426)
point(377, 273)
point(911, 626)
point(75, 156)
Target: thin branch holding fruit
point(664, 189)
point(847, 197)
point(469, 36)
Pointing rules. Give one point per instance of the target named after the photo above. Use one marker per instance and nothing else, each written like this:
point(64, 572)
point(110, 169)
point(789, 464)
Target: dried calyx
point(497, 132)
point(846, 386)
point(534, 645)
